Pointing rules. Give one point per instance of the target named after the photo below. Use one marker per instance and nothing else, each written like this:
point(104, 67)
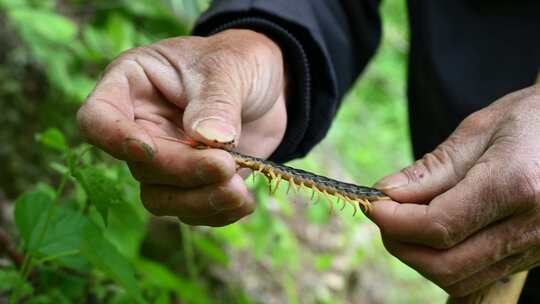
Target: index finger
point(452, 216)
point(107, 120)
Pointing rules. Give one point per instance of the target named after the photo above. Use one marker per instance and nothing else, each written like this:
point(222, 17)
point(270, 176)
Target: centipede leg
point(329, 200)
point(293, 185)
point(341, 197)
point(271, 177)
point(318, 195)
point(288, 185)
point(355, 210)
point(366, 205)
point(278, 181)
point(352, 203)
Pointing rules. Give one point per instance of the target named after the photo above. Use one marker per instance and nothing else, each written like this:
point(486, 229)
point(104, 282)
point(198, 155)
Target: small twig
point(8, 248)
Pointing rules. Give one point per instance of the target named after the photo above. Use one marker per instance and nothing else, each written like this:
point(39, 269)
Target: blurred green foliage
point(78, 220)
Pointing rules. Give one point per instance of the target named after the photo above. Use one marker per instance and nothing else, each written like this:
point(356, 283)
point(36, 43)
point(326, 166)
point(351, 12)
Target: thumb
point(213, 116)
point(441, 169)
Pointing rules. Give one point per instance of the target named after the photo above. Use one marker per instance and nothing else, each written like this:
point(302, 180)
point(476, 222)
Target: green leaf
point(210, 249)
point(54, 139)
point(186, 290)
point(44, 24)
point(31, 211)
point(64, 233)
point(62, 239)
point(121, 33)
point(106, 257)
point(100, 188)
point(125, 229)
point(10, 278)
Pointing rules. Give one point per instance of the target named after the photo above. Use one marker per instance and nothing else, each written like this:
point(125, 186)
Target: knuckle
point(442, 232)
point(457, 290)
point(527, 184)
point(215, 168)
point(443, 271)
point(152, 201)
point(477, 122)
point(418, 171)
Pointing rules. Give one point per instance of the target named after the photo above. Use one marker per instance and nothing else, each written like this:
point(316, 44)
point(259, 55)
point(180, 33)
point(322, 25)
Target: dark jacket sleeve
point(326, 45)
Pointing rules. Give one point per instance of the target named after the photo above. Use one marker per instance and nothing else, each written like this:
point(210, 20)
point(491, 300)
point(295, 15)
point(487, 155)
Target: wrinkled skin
point(224, 89)
point(469, 212)
point(463, 216)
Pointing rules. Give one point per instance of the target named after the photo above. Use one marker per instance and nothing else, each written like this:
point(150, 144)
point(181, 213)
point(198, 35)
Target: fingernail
point(392, 182)
point(220, 204)
point(137, 149)
point(216, 130)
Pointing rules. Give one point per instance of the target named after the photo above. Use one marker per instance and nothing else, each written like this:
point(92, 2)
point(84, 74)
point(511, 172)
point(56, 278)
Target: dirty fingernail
point(137, 149)
point(216, 130)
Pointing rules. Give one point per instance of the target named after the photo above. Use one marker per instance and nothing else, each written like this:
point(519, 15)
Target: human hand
point(469, 212)
point(221, 90)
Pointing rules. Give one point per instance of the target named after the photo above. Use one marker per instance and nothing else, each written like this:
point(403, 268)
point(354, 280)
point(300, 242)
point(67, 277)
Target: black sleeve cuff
point(298, 91)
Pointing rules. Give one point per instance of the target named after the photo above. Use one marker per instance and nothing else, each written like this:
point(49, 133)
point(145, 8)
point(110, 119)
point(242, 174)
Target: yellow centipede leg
point(271, 177)
point(278, 180)
point(293, 185)
point(341, 197)
point(301, 186)
point(327, 195)
point(312, 193)
point(366, 205)
point(289, 182)
point(318, 195)
point(352, 203)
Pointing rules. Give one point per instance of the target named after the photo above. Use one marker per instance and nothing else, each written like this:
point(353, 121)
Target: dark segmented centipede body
point(349, 193)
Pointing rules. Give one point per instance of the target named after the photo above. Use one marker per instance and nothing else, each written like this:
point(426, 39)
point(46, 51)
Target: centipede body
point(320, 185)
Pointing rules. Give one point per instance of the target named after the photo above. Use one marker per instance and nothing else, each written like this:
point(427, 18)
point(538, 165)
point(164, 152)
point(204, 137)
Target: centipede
point(320, 186)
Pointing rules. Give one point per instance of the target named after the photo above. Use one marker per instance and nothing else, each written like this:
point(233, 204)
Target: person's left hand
point(469, 212)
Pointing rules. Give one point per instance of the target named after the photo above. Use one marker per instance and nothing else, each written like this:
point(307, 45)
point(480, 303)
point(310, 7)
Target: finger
point(106, 120)
point(179, 165)
point(476, 254)
point(213, 115)
point(441, 169)
point(197, 203)
point(221, 219)
point(486, 277)
point(486, 195)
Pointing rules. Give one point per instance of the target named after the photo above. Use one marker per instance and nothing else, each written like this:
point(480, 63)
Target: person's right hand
point(227, 88)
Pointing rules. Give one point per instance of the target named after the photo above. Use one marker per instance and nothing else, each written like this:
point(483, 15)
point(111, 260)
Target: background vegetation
point(72, 229)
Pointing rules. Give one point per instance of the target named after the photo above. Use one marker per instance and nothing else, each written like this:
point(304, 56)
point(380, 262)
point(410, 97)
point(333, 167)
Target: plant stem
point(28, 263)
point(187, 244)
